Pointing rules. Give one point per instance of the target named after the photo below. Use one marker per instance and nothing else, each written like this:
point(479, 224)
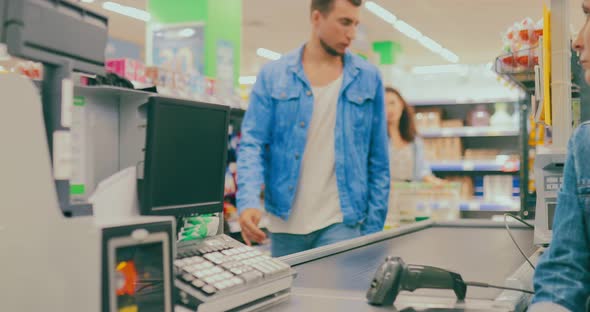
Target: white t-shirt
point(316, 203)
point(401, 162)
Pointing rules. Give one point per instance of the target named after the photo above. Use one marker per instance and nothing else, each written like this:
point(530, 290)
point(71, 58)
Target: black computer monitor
point(185, 157)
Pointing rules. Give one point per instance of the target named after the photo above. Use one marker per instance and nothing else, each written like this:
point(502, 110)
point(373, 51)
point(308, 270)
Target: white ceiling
point(470, 28)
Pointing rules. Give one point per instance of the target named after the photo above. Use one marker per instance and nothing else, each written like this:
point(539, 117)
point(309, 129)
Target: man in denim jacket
point(562, 277)
point(315, 135)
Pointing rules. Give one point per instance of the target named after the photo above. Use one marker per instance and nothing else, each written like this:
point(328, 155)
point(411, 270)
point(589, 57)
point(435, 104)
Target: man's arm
point(256, 133)
point(378, 167)
point(563, 273)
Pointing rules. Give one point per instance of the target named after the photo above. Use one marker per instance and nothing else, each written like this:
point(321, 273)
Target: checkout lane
point(337, 277)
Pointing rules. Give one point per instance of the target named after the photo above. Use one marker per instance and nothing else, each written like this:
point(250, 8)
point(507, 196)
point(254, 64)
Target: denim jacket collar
point(351, 67)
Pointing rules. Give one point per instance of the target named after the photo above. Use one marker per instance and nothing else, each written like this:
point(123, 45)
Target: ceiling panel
point(470, 28)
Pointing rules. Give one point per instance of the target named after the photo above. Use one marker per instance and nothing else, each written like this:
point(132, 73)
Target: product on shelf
point(498, 188)
point(452, 123)
point(416, 201)
point(30, 69)
point(428, 119)
point(520, 42)
point(501, 118)
point(481, 154)
point(479, 117)
point(466, 183)
point(133, 70)
point(443, 149)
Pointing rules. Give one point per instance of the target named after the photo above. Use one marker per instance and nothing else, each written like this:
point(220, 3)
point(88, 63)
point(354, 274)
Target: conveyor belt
point(478, 254)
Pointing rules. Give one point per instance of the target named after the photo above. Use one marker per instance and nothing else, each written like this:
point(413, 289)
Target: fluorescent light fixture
point(187, 32)
point(430, 44)
point(269, 54)
point(440, 69)
point(127, 11)
point(381, 12)
point(411, 32)
point(247, 80)
point(407, 30)
point(87, 1)
point(449, 56)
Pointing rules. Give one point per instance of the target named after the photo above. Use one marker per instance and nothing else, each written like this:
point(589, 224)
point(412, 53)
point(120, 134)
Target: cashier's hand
point(249, 219)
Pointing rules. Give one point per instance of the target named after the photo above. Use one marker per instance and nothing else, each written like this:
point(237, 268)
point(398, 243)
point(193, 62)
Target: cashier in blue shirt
point(562, 277)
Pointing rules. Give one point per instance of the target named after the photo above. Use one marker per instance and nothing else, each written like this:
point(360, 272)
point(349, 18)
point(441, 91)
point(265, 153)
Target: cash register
point(57, 256)
point(183, 176)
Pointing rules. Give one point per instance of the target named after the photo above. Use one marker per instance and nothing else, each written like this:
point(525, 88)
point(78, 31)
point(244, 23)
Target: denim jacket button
point(302, 124)
point(283, 95)
point(308, 93)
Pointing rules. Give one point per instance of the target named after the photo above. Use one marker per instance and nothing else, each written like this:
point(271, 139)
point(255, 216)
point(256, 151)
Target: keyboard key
point(221, 285)
point(251, 276)
point(189, 269)
point(198, 283)
point(207, 264)
point(197, 260)
point(201, 274)
point(209, 290)
point(216, 270)
point(226, 275)
point(237, 271)
point(211, 279)
point(237, 281)
point(188, 277)
point(275, 268)
point(263, 268)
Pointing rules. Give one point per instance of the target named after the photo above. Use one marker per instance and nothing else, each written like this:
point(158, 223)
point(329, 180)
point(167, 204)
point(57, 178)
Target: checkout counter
point(336, 278)
point(331, 278)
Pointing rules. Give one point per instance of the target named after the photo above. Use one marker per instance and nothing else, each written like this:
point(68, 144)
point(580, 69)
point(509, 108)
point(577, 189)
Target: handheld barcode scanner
point(394, 276)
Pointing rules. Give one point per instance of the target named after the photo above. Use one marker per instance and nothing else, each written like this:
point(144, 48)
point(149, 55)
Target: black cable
point(521, 220)
point(514, 240)
point(484, 285)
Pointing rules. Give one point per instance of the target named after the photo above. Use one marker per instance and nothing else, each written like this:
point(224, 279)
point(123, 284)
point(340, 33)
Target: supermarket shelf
point(477, 166)
point(525, 80)
point(461, 102)
point(469, 132)
point(110, 91)
point(488, 206)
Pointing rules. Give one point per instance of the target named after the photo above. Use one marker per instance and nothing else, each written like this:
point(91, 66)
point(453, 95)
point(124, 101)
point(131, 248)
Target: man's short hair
point(325, 6)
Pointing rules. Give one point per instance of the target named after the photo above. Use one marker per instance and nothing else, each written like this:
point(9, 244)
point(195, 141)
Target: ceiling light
point(411, 32)
point(127, 11)
point(407, 29)
point(247, 80)
point(87, 1)
point(381, 12)
point(269, 54)
point(449, 56)
point(430, 44)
